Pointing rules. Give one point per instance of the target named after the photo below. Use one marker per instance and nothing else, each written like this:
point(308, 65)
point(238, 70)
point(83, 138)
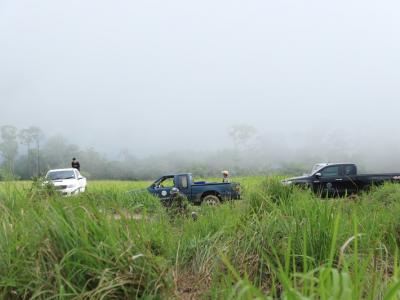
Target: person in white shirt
point(225, 178)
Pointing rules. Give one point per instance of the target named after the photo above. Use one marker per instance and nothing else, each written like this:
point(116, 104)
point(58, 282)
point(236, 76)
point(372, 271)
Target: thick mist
point(318, 81)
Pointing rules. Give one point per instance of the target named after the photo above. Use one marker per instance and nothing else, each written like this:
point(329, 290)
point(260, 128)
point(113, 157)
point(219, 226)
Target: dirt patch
point(191, 286)
point(127, 216)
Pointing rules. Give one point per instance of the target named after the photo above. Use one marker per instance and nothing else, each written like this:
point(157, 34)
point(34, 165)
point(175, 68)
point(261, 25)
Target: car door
point(328, 182)
point(349, 183)
point(162, 188)
point(183, 185)
point(77, 175)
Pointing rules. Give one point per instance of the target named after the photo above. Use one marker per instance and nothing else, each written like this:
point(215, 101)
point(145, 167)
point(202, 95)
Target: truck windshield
point(164, 182)
point(316, 168)
point(56, 175)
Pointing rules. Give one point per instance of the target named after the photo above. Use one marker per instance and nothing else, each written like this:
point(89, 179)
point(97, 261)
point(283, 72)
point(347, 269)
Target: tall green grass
point(279, 242)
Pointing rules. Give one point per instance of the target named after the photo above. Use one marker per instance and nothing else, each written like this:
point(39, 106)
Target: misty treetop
point(29, 152)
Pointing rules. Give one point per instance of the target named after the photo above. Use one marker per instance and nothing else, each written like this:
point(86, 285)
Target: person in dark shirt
point(75, 164)
point(178, 204)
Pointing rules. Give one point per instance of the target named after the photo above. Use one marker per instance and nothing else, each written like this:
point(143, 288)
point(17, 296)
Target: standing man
point(225, 178)
point(75, 164)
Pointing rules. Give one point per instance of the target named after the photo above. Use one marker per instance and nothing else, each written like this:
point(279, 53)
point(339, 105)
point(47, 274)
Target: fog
point(315, 79)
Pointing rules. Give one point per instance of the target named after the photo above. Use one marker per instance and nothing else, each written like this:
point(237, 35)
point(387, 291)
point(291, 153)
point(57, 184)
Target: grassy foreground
point(278, 242)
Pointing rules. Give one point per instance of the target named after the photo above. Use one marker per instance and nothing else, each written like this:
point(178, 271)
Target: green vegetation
point(278, 242)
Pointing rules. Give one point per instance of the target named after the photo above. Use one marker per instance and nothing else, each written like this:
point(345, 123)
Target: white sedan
point(67, 181)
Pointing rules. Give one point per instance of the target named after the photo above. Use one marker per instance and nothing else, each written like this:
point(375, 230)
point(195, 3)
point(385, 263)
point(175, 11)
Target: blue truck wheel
point(211, 200)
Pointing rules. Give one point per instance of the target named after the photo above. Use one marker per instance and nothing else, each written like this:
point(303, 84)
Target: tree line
point(28, 152)
point(11, 138)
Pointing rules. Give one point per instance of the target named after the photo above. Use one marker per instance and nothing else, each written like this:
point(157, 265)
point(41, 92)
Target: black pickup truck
point(340, 179)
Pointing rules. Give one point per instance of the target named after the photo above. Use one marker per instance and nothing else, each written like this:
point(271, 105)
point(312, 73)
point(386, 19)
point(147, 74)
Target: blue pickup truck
point(196, 192)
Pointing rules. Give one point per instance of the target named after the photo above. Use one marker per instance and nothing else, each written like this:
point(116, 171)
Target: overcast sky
point(153, 75)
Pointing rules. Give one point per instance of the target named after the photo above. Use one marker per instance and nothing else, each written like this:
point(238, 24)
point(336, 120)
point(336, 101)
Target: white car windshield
point(57, 175)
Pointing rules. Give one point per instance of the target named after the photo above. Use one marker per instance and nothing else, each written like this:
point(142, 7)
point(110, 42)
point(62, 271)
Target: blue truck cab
point(196, 192)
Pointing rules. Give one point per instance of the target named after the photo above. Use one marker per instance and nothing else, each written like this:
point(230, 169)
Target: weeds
point(277, 243)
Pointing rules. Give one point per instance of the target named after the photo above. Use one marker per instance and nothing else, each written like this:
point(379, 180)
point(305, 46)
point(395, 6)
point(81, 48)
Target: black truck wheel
point(211, 200)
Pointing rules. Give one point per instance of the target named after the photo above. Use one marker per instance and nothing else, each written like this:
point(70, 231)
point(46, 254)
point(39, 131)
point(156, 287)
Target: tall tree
point(37, 135)
point(26, 138)
point(9, 146)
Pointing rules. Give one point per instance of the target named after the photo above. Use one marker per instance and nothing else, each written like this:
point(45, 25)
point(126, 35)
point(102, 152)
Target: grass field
point(278, 242)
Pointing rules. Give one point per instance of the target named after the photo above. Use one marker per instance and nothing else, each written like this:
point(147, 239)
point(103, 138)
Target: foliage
point(39, 154)
point(278, 242)
point(9, 146)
